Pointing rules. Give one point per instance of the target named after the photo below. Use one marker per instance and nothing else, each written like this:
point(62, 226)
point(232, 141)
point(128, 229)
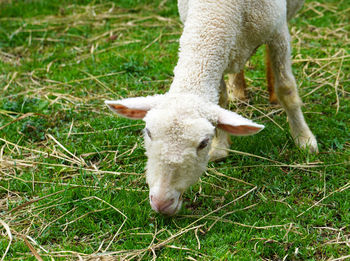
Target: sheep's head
point(179, 131)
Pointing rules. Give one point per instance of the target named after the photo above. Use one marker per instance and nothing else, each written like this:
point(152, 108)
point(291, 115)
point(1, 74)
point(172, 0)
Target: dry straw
point(325, 74)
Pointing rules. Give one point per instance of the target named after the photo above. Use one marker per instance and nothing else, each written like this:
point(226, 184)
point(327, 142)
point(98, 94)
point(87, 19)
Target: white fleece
point(219, 36)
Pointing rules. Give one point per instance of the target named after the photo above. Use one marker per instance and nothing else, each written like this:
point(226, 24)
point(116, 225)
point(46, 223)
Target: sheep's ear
point(133, 108)
point(235, 124)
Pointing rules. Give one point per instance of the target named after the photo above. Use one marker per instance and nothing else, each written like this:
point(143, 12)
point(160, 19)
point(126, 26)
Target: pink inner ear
point(127, 112)
point(240, 130)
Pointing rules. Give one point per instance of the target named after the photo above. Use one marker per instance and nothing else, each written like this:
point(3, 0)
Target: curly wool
point(220, 36)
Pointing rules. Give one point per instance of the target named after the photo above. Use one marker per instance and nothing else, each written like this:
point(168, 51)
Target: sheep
point(188, 126)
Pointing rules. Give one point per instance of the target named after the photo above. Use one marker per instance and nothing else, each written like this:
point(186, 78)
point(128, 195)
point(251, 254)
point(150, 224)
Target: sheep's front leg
point(236, 86)
point(222, 140)
point(286, 90)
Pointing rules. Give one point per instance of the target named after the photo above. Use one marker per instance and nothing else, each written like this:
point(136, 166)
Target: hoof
point(308, 143)
point(273, 99)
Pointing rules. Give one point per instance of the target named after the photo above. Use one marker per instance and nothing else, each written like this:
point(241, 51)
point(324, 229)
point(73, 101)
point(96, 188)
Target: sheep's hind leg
point(270, 78)
point(222, 140)
point(286, 91)
point(236, 86)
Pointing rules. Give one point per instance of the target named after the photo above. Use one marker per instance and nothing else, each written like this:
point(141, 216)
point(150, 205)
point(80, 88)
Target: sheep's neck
point(204, 53)
point(198, 76)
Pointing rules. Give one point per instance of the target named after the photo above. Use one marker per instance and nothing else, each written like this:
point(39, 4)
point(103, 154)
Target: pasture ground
point(71, 173)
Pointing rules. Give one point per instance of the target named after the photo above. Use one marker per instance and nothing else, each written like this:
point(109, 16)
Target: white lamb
point(186, 126)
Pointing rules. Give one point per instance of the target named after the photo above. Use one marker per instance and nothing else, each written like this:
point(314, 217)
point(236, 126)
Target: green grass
point(71, 173)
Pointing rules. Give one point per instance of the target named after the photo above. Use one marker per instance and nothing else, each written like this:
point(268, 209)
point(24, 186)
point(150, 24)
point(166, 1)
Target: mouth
point(178, 206)
point(170, 210)
point(173, 211)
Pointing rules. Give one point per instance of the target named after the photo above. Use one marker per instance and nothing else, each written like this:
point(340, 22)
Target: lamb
point(188, 126)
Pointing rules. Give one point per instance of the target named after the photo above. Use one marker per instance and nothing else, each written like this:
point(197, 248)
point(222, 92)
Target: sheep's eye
point(203, 144)
point(148, 133)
